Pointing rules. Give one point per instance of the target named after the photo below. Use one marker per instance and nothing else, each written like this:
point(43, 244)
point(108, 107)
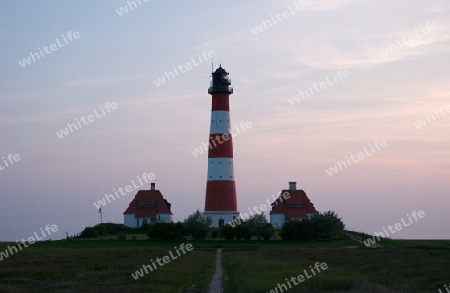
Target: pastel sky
point(155, 128)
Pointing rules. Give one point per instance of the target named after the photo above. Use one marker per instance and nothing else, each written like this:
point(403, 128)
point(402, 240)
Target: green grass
point(249, 266)
point(409, 266)
point(98, 266)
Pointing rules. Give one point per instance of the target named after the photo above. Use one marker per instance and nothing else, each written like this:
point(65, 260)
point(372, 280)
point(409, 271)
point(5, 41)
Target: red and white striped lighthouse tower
point(220, 201)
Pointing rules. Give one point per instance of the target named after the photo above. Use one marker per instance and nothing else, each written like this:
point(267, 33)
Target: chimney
point(292, 185)
point(152, 186)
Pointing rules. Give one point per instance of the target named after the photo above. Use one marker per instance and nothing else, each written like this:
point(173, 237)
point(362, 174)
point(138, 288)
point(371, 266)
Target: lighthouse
point(220, 199)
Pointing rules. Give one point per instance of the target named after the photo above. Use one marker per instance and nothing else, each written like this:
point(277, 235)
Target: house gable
point(297, 206)
point(147, 206)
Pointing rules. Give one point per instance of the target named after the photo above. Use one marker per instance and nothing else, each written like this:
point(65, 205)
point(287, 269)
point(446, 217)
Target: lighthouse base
point(220, 218)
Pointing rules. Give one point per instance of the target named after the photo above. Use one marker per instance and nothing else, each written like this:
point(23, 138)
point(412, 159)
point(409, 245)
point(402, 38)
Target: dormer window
point(294, 205)
point(146, 206)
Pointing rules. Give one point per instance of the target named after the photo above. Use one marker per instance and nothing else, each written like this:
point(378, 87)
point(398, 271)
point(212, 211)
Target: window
point(294, 205)
point(144, 222)
point(159, 217)
point(137, 222)
point(221, 222)
point(146, 206)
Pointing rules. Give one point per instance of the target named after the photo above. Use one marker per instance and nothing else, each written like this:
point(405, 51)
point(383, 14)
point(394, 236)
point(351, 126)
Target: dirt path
point(360, 240)
point(216, 283)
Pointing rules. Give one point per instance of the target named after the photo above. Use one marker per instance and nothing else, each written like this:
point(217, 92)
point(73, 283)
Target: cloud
point(359, 50)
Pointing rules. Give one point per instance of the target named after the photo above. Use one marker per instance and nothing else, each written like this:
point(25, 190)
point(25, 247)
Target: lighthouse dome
point(220, 82)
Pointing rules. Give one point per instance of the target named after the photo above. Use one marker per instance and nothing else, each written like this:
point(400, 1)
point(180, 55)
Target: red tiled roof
point(147, 204)
point(297, 197)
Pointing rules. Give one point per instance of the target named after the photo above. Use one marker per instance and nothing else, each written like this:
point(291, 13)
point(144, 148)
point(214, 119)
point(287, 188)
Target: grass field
point(104, 266)
point(403, 266)
point(249, 266)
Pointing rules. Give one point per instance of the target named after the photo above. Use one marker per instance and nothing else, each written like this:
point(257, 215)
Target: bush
point(297, 230)
point(228, 232)
point(307, 230)
point(256, 224)
point(267, 231)
point(89, 232)
point(144, 227)
point(166, 231)
point(242, 232)
point(197, 226)
point(239, 232)
point(215, 233)
point(327, 225)
point(291, 230)
point(103, 230)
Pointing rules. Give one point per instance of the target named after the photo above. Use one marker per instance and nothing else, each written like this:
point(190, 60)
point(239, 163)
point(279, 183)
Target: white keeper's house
point(297, 207)
point(148, 206)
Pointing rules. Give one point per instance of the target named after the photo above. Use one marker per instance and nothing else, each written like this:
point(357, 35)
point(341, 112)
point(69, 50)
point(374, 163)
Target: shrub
point(196, 225)
point(166, 231)
point(228, 232)
point(291, 230)
point(89, 232)
point(307, 230)
point(145, 226)
point(256, 224)
point(239, 232)
point(267, 231)
point(327, 225)
point(242, 232)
